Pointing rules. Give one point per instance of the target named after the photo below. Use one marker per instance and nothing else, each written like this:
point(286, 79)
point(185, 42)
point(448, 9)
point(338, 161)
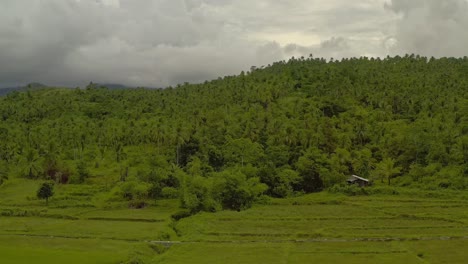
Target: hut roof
point(355, 177)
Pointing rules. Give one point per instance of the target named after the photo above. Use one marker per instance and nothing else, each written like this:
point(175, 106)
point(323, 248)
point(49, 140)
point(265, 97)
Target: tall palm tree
point(31, 164)
point(386, 169)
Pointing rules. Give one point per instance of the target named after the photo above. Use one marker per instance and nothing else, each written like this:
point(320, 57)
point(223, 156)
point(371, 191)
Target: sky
point(156, 43)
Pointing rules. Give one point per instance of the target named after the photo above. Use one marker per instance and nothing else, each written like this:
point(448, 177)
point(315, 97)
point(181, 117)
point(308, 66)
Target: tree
point(31, 167)
point(45, 191)
point(242, 151)
point(235, 191)
point(312, 166)
point(287, 179)
point(4, 170)
point(196, 194)
point(82, 171)
point(386, 170)
point(132, 189)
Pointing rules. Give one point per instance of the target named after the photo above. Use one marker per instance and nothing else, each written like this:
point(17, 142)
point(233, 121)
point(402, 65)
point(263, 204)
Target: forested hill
point(296, 126)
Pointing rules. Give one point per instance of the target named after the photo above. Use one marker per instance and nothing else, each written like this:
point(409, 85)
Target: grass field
point(80, 226)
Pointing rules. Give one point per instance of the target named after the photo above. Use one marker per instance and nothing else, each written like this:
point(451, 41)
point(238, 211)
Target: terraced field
point(80, 226)
point(331, 229)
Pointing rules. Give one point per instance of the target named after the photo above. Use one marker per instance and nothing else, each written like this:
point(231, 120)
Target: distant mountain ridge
point(117, 86)
point(7, 90)
point(36, 85)
point(30, 86)
point(114, 86)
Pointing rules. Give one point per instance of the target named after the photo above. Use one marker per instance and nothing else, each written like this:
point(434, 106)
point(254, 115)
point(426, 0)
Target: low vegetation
point(80, 225)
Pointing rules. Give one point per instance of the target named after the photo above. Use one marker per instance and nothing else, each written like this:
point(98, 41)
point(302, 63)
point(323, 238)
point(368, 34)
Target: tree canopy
point(45, 191)
point(300, 125)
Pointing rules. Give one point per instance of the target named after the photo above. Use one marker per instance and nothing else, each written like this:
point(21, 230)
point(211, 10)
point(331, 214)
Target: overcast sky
point(157, 43)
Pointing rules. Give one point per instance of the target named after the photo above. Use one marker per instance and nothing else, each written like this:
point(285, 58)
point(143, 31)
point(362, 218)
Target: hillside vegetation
point(293, 127)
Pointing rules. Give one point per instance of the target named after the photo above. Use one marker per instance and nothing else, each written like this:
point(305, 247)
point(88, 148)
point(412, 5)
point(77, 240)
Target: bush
point(45, 191)
point(137, 204)
point(237, 192)
point(354, 190)
point(196, 194)
point(180, 215)
point(351, 190)
point(169, 192)
point(281, 183)
point(3, 171)
point(385, 190)
point(134, 190)
point(82, 171)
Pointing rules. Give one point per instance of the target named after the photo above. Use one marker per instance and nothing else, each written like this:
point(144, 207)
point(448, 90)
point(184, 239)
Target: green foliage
point(45, 191)
point(280, 182)
point(197, 194)
point(299, 126)
point(4, 171)
point(228, 189)
point(349, 189)
point(30, 163)
point(287, 179)
point(235, 191)
point(180, 215)
point(312, 166)
point(82, 171)
point(133, 190)
point(386, 170)
point(242, 151)
point(364, 229)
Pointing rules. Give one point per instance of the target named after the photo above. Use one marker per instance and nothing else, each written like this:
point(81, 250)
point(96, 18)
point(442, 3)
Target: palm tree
point(180, 137)
point(31, 167)
point(386, 169)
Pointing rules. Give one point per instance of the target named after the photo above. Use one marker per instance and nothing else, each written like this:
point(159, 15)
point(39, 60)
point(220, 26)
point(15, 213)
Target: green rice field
point(80, 226)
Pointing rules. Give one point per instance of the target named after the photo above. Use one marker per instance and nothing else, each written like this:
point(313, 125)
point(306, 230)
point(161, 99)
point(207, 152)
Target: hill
point(293, 127)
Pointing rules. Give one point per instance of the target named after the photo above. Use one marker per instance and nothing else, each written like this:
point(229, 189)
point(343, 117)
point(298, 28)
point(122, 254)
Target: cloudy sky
point(157, 43)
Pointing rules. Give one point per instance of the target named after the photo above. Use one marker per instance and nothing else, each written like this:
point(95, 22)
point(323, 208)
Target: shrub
point(82, 171)
point(180, 215)
point(347, 189)
point(45, 191)
point(134, 190)
point(237, 192)
point(137, 204)
point(169, 192)
point(196, 194)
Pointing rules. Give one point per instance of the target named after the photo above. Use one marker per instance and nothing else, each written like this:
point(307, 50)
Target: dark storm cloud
point(37, 36)
point(164, 42)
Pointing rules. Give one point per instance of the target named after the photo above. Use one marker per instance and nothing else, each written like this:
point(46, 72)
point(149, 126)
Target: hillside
point(221, 171)
point(293, 127)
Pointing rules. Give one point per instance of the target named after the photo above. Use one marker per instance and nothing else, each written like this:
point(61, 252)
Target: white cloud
point(430, 27)
point(163, 42)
